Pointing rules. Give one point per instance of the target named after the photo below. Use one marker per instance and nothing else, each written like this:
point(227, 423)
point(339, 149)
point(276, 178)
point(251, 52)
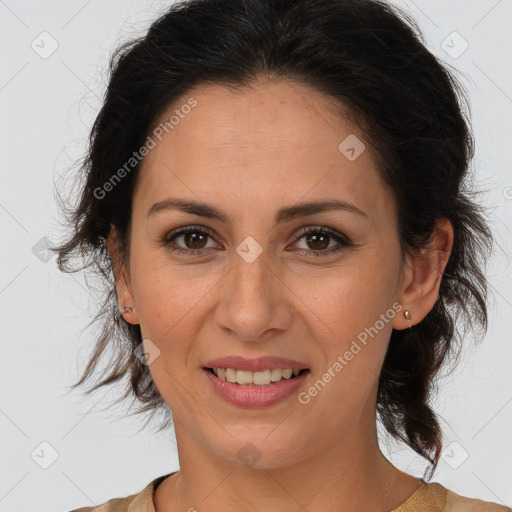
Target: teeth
point(243, 377)
point(260, 378)
point(248, 378)
point(230, 375)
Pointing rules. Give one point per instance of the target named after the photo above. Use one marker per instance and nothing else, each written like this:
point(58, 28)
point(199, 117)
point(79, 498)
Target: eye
point(194, 238)
point(319, 239)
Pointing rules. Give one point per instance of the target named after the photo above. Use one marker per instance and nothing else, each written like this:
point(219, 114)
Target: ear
point(124, 290)
point(422, 275)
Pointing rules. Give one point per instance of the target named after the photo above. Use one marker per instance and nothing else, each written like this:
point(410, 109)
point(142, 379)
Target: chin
point(259, 451)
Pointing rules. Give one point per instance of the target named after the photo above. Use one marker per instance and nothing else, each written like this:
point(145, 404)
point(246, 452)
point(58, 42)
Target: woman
point(278, 190)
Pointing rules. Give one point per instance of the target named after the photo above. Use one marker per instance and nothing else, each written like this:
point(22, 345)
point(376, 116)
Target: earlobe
point(123, 284)
point(130, 315)
point(423, 275)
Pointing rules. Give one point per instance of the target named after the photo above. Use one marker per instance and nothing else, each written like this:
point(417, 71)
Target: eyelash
point(343, 241)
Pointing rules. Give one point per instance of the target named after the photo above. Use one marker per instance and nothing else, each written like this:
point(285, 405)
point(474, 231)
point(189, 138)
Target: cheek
point(168, 296)
point(349, 299)
point(352, 320)
point(171, 305)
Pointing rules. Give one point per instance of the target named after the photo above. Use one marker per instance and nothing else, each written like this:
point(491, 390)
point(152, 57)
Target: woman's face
point(251, 282)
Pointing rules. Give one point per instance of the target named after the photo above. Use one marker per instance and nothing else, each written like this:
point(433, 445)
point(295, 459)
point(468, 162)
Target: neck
point(351, 474)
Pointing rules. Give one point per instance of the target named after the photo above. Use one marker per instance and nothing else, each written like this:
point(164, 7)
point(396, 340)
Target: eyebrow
point(286, 213)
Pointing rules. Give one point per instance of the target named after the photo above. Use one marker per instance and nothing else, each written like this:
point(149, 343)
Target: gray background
point(48, 102)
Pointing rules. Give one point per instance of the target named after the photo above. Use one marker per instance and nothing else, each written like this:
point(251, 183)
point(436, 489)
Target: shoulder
point(435, 497)
point(456, 503)
point(139, 502)
point(113, 505)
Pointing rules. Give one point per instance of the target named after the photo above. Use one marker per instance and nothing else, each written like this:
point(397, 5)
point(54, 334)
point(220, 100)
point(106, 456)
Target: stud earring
point(128, 310)
point(407, 316)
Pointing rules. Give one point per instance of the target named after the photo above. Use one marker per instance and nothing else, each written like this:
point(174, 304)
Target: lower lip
point(255, 396)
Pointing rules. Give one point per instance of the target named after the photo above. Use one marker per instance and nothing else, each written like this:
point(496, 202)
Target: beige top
point(430, 497)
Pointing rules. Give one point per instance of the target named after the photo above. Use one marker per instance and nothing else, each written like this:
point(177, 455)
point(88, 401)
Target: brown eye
point(318, 241)
point(194, 240)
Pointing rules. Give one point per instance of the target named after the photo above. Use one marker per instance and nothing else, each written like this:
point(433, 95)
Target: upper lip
point(255, 365)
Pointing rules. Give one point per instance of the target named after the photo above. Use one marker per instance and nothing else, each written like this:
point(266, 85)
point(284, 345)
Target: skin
point(249, 153)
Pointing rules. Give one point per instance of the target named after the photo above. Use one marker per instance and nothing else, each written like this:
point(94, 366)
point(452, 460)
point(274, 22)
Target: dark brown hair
point(371, 58)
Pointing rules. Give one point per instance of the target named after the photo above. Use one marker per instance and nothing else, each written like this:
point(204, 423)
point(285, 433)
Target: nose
point(253, 299)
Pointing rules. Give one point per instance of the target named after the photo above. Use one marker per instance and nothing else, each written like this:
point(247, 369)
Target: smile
point(245, 392)
point(260, 378)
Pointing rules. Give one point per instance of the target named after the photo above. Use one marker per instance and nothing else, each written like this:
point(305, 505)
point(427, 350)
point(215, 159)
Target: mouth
point(262, 388)
point(246, 378)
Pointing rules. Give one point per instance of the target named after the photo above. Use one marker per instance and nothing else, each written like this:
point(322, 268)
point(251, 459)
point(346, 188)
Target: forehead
point(278, 138)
